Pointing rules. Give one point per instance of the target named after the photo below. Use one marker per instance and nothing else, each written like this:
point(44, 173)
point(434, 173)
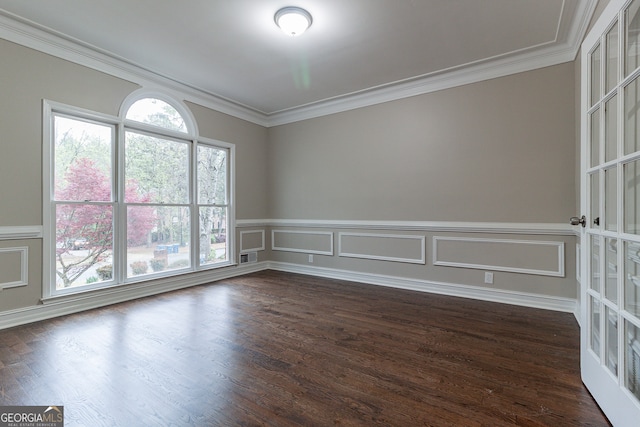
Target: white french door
point(610, 201)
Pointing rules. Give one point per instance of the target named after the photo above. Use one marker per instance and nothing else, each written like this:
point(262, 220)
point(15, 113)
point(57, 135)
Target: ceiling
point(356, 52)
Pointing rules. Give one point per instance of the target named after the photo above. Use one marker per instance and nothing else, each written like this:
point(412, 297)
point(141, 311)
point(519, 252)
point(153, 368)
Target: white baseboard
point(79, 303)
point(100, 298)
point(451, 289)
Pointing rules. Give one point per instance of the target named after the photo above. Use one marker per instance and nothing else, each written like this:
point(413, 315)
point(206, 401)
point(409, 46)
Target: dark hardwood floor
point(281, 349)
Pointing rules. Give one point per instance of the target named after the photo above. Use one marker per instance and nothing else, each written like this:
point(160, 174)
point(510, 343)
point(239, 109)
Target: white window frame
point(50, 110)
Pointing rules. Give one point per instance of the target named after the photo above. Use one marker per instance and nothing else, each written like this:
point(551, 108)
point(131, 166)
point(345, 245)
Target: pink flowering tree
point(87, 221)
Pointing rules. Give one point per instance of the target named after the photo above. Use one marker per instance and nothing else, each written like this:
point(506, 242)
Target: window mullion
point(121, 222)
point(195, 210)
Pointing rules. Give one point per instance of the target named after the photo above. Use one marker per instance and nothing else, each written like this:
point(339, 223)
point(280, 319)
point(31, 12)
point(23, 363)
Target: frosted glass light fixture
point(293, 20)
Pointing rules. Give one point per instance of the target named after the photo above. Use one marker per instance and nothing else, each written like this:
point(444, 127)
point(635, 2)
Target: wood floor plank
point(279, 349)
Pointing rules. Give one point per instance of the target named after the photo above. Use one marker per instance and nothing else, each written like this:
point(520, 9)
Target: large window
point(133, 197)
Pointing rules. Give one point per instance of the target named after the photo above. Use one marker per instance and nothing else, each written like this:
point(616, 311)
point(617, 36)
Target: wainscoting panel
point(516, 256)
point(308, 242)
point(383, 247)
point(251, 240)
point(14, 267)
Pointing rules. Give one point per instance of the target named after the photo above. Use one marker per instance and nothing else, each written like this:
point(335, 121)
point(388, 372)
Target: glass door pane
point(612, 58)
point(632, 37)
point(631, 184)
point(632, 356)
point(611, 199)
point(631, 117)
point(594, 309)
point(611, 129)
point(611, 331)
point(595, 138)
point(611, 268)
point(595, 76)
point(595, 199)
point(632, 278)
point(595, 263)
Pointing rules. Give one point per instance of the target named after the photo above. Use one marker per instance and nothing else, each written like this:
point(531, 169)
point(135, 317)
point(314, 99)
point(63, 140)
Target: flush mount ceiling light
point(293, 20)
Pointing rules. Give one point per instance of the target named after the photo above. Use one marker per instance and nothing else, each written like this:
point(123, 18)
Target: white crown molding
point(523, 299)
point(76, 51)
point(21, 232)
point(501, 66)
point(444, 80)
point(581, 22)
point(554, 229)
point(14, 29)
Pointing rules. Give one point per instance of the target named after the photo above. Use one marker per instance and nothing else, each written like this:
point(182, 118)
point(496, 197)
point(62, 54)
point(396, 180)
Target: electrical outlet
point(311, 258)
point(488, 277)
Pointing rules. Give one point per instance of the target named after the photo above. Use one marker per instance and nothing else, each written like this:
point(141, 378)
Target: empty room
point(320, 212)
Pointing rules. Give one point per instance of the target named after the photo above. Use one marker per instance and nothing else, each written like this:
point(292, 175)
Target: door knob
point(574, 220)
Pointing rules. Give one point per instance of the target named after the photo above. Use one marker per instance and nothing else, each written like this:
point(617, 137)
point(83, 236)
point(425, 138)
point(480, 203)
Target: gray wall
point(500, 150)
point(28, 77)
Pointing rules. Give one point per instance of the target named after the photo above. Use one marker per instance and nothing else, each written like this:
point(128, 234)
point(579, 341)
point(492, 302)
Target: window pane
point(595, 263)
point(611, 267)
point(611, 331)
point(631, 184)
point(632, 37)
point(595, 325)
point(632, 352)
point(158, 113)
point(157, 239)
point(212, 175)
point(612, 58)
point(84, 244)
point(632, 278)
point(594, 141)
point(631, 117)
point(595, 76)
point(82, 160)
point(611, 199)
point(156, 170)
point(611, 129)
point(213, 235)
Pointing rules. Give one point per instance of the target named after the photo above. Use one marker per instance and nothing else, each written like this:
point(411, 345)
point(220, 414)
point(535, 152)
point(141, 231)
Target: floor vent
point(248, 257)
